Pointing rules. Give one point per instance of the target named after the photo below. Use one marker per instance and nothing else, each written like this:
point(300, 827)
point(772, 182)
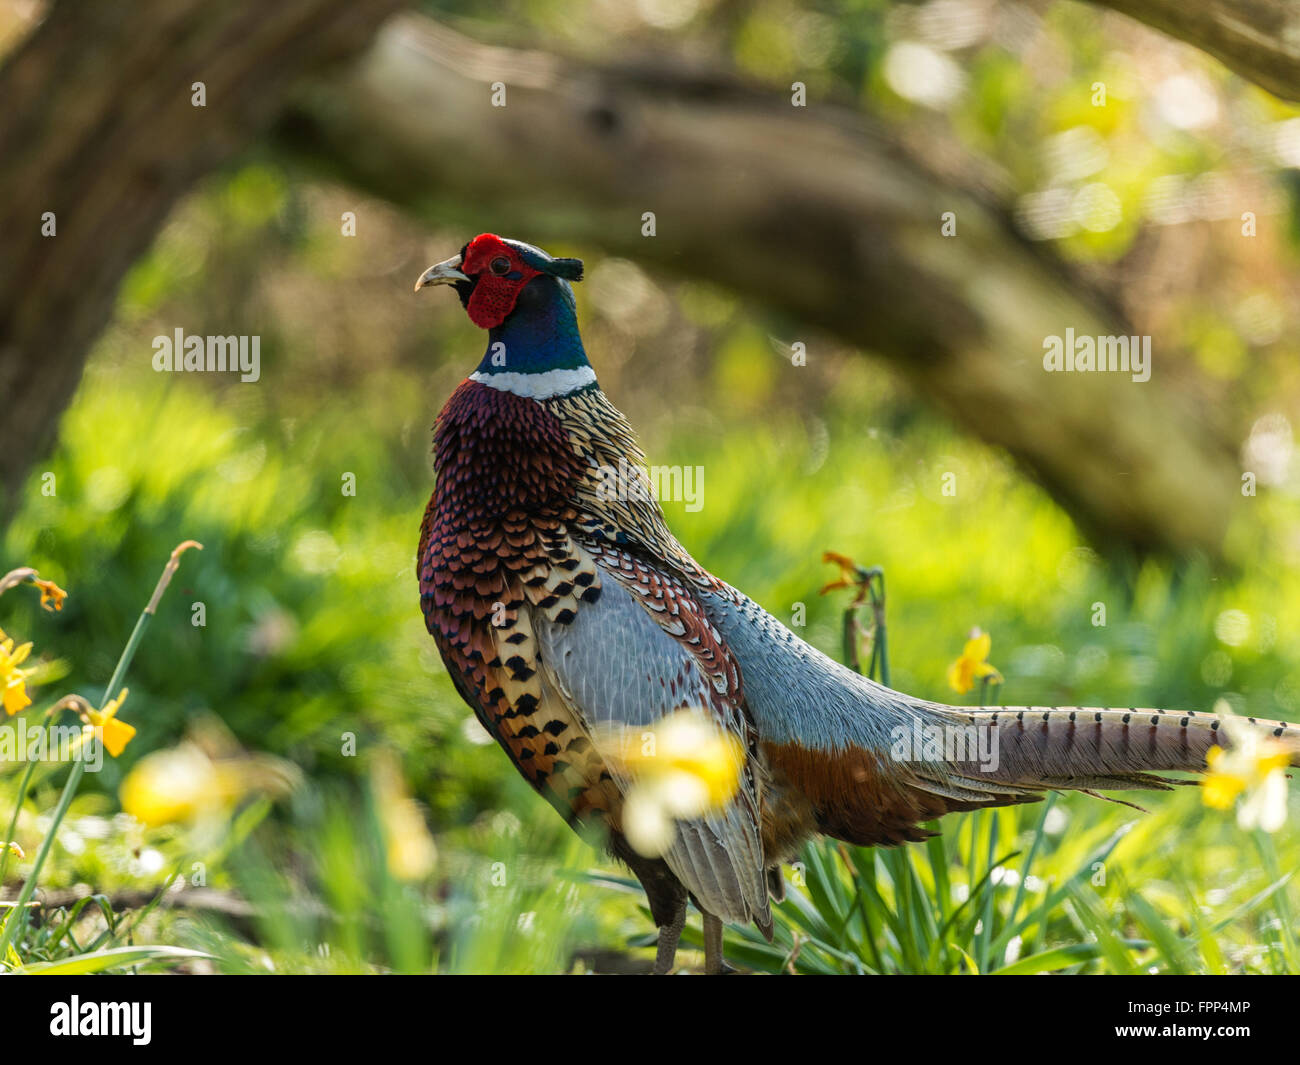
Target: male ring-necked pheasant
point(560, 609)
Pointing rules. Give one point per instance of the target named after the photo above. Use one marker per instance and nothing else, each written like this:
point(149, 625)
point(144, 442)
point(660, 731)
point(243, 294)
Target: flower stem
point(13, 821)
point(880, 640)
point(17, 917)
point(873, 587)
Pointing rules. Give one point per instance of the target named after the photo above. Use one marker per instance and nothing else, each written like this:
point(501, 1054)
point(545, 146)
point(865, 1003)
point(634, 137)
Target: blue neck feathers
point(540, 334)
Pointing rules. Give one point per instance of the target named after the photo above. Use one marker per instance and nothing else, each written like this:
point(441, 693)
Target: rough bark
point(807, 210)
point(1259, 39)
point(98, 129)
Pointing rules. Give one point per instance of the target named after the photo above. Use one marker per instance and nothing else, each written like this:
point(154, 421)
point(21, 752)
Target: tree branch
point(807, 210)
point(1258, 39)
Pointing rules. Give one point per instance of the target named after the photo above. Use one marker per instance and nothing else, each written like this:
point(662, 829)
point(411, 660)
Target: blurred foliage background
point(313, 631)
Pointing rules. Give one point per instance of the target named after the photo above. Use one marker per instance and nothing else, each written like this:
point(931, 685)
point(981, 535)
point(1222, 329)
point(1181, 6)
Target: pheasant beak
point(443, 273)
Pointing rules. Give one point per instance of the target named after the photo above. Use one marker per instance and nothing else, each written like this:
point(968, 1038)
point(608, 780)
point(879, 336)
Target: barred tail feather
point(1045, 746)
point(876, 795)
point(1080, 748)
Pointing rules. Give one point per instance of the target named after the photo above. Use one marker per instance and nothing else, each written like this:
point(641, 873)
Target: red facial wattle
point(494, 293)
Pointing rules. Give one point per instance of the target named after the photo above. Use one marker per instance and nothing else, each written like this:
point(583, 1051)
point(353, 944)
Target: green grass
point(313, 635)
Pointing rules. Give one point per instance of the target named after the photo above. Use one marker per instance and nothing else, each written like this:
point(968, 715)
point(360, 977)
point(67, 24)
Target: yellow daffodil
point(201, 779)
point(13, 681)
point(114, 734)
point(1253, 769)
point(52, 595)
point(973, 665)
point(180, 784)
point(685, 767)
point(408, 847)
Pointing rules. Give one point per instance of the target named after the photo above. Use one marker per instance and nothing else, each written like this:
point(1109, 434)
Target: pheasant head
point(522, 297)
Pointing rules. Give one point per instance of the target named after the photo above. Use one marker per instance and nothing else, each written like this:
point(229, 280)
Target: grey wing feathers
point(614, 665)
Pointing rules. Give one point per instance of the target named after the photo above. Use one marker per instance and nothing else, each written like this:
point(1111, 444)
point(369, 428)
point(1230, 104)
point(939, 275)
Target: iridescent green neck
point(539, 335)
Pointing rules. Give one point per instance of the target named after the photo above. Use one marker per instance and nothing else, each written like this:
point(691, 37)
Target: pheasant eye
point(500, 266)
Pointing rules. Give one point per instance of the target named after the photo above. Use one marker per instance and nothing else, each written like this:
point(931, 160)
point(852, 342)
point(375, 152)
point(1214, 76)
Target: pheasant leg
point(669, 934)
point(714, 963)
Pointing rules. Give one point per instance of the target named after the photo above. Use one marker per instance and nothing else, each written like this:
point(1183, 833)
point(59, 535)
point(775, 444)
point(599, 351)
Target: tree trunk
point(100, 137)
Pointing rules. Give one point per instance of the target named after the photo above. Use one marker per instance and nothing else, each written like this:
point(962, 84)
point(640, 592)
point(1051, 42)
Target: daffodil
point(13, 681)
point(187, 783)
point(179, 784)
point(14, 849)
point(114, 734)
point(1252, 769)
point(52, 595)
point(685, 767)
point(973, 664)
point(408, 847)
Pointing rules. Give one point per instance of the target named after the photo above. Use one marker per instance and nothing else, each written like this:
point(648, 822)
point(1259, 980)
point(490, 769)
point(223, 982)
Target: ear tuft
point(569, 269)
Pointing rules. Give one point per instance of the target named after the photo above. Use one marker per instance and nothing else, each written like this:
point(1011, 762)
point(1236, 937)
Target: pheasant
point(560, 609)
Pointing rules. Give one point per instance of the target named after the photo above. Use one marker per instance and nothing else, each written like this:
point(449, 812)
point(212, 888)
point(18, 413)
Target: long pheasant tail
point(1087, 748)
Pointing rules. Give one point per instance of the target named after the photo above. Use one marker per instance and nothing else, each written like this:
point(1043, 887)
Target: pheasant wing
point(639, 653)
